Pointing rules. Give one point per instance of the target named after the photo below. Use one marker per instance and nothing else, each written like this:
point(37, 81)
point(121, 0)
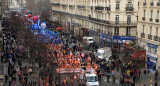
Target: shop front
point(105, 40)
point(94, 34)
point(152, 57)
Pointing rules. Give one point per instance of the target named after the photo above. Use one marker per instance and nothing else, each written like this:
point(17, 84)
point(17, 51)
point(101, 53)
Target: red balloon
point(27, 11)
point(35, 19)
point(29, 15)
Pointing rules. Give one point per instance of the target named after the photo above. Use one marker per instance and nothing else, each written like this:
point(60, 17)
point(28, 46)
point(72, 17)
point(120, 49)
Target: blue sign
point(35, 27)
point(124, 37)
point(152, 45)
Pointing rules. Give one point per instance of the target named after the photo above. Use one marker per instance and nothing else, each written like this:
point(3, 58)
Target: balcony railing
point(151, 3)
point(155, 38)
point(157, 20)
point(144, 3)
point(158, 3)
point(129, 8)
point(80, 6)
point(150, 19)
point(71, 6)
point(64, 5)
point(123, 23)
point(56, 4)
point(149, 36)
point(99, 20)
point(143, 18)
point(99, 8)
point(143, 35)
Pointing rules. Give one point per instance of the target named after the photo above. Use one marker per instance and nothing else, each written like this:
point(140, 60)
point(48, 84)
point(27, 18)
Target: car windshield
point(91, 79)
point(90, 39)
point(99, 54)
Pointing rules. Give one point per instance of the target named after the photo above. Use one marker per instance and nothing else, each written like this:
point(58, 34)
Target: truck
point(104, 53)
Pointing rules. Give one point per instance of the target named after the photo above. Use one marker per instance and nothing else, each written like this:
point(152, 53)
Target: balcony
point(99, 8)
point(98, 20)
point(80, 6)
point(71, 6)
point(123, 23)
point(155, 38)
point(64, 5)
point(129, 9)
point(143, 18)
point(143, 35)
point(149, 36)
point(81, 16)
point(158, 3)
point(144, 4)
point(152, 4)
point(56, 4)
point(150, 19)
point(108, 8)
point(157, 20)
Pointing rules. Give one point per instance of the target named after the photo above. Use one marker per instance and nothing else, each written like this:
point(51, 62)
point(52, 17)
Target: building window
point(117, 5)
point(144, 13)
point(144, 1)
point(143, 28)
point(116, 31)
point(128, 19)
point(152, 50)
point(150, 30)
point(157, 31)
point(157, 14)
point(151, 14)
point(129, 4)
point(128, 31)
point(117, 19)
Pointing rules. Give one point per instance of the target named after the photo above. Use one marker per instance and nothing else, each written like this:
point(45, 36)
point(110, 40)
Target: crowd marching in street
point(65, 56)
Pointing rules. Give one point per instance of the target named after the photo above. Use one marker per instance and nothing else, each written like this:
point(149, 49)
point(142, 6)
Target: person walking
point(156, 75)
point(108, 77)
point(6, 78)
point(114, 79)
point(138, 73)
point(134, 78)
point(9, 80)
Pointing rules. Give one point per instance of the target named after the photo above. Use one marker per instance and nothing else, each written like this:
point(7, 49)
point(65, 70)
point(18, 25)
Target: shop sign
point(151, 55)
point(124, 37)
point(152, 45)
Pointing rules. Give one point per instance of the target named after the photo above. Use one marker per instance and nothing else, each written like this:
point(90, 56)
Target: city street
point(79, 43)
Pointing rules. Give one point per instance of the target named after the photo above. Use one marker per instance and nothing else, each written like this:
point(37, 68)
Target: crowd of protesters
point(129, 74)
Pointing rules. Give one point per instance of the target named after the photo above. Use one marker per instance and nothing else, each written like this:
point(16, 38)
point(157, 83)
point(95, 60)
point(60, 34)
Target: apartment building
point(102, 19)
point(148, 31)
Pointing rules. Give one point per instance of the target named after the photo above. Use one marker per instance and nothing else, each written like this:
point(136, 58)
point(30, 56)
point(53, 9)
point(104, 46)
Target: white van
point(88, 40)
point(91, 79)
